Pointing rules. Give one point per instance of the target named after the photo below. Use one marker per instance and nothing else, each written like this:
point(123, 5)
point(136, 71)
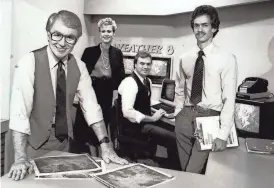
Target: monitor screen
point(247, 117)
point(168, 90)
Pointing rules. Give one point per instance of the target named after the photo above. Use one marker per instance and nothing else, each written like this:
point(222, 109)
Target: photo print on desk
point(133, 176)
point(76, 175)
point(160, 70)
point(64, 164)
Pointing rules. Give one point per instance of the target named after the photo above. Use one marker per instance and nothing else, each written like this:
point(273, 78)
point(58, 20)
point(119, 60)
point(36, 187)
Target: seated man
point(134, 97)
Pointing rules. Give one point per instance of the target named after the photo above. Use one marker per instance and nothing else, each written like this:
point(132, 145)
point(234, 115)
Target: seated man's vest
point(142, 104)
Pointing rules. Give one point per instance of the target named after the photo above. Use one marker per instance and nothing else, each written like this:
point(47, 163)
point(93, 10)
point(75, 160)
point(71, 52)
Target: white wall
point(152, 7)
point(5, 49)
point(246, 30)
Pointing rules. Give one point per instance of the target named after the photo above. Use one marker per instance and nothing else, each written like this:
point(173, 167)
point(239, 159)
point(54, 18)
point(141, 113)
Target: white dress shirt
point(23, 91)
point(219, 84)
point(128, 90)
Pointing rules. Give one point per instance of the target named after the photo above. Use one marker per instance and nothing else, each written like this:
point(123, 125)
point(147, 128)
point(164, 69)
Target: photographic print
point(76, 176)
point(133, 176)
point(64, 164)
point(72, 176)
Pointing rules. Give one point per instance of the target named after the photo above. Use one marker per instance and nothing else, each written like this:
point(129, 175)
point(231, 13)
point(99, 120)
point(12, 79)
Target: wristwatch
point(104, 140)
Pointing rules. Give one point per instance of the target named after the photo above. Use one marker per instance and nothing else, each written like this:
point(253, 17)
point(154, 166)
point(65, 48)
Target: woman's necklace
point(105, 59)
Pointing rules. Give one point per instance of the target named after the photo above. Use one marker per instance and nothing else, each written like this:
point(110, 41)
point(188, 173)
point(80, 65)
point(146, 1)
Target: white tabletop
point(232, 168)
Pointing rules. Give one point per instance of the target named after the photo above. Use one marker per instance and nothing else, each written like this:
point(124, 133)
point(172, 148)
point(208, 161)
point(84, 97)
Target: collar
point(140, 77)
point(53, 61)
point(207, 49)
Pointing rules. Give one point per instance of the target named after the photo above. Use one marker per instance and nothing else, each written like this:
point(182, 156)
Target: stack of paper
point(67, 167)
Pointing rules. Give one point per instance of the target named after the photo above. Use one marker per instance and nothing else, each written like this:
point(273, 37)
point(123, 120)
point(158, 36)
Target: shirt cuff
point(139, 117)
point(20, 125)
point(224, 133)
point(95, 117)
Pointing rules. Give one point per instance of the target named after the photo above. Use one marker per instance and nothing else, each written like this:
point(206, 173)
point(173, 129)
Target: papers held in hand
point(261, 146)
point(207, 129)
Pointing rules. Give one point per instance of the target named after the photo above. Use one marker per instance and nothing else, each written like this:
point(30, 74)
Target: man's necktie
point(147, 85)
point(61, 127)
point(197, 82)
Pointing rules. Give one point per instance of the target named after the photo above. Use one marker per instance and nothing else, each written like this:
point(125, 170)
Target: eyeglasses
point(58, 36)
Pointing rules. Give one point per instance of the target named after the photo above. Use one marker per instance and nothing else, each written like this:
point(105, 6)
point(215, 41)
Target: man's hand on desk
point(218, 145)
point(158, 114)
point(109, 155)
point(20, 169)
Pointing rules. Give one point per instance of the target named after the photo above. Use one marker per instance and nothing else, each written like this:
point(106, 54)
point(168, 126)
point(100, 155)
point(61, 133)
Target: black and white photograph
point(69, 176)
point(138, 94)
point(134, 176)
point(76, 175)
point(64, 164)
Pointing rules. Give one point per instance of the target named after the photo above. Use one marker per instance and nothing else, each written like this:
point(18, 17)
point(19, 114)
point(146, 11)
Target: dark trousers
point(191, 158)
point(84, 134)
point(163, 137)
point(104, 93)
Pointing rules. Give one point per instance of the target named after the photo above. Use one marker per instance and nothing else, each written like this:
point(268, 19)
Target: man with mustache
point(205, 86)
point(46, 81)
point(134, 95)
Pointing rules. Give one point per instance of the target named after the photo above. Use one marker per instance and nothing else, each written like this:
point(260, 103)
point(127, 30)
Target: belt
point(104, 78)
point(202, 110)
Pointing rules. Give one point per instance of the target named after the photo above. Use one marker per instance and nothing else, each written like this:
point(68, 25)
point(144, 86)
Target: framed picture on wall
point(160, 70)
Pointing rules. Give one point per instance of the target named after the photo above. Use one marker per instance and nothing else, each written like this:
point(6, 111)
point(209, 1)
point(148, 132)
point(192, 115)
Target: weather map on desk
point(64, 164)
point(133, 176)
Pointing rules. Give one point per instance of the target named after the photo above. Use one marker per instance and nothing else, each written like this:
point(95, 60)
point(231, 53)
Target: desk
point(182, 178)
point(232, 168)
point(168, 121)
point(235, 167)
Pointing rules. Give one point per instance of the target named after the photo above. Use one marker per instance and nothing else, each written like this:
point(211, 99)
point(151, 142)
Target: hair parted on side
point(211, 12)
point(141, 54)
point(107, 21)
point(70, 20)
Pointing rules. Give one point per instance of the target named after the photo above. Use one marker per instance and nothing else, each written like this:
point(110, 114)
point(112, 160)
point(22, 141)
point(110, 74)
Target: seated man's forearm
point(99, 129)
point(20, 145)
point(148, 119)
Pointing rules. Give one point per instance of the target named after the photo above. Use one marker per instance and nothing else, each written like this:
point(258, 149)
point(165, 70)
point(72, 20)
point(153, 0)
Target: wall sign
point(153, 49)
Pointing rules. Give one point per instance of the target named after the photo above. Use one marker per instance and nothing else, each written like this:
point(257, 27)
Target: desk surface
point(235, 167)
point(182, 178)
point(168, 120)
point(228, 169)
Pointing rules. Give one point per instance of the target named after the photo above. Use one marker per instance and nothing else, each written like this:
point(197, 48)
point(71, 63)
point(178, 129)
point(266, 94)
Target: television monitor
point(168, 91)
point(160, 70)
point(255, 118)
